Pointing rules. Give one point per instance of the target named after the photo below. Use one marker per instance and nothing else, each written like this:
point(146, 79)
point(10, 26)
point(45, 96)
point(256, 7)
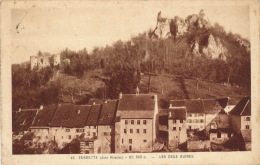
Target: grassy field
point(169, 88)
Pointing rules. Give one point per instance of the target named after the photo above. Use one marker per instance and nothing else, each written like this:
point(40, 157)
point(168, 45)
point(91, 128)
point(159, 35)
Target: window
point(130, 141)
point(201, 120)
point(174, 121)
point(144, 130)
point(94, 133)
point(181, 121)
point(189, 115)
point(122, 141)
point(138, 121)
point(200, 114)
point(94, 127)
point(137, 131)
point(131, 130)
point(69, 136)
point(179, 128)
point(125, 131)
point(79, 130)
point(174, 128)
point(132, 122)
point(61, 137)
point(145, 140)
point(247, 126)
point(219, 135)
point(126, 121)
point(247, 118)
point(77, 136)
point(144, 122)
point(190, 121)
point(195, 114)
point(67, 130)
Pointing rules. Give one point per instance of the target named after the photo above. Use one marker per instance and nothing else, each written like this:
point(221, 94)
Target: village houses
point(131, 124)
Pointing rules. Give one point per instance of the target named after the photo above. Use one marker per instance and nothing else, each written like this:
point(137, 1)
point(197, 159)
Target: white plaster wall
point(177, 136)
point(198, 125)
point(138, 144)
point(244, 122)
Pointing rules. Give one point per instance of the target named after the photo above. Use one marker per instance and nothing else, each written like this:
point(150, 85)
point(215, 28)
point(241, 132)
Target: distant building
point(218, 129)
point(240, 115)
point(177, 127)
point(106, 127)
point(136, 123)
point(41, 124)
point(91, 124)
point(42, 61)
point(195, 114)
point(68, 123)
point(200, 112)
point(23, 119)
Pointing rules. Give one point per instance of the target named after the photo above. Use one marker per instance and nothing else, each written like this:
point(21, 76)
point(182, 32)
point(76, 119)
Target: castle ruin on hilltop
point(42, 61)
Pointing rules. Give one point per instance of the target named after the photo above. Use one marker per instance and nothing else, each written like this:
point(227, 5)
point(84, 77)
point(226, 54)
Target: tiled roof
point(209, 105)
point(23, 120)
point(108, 112)
point(223, 102)
point(95, 101)
point(44, 116)
point(194, 106)
point(136, 102)
point(68, 115)
point(224, 130)
point(94, 115)
point(177, 114)
point(177, 103)
point(243, 108)
point(136, 115)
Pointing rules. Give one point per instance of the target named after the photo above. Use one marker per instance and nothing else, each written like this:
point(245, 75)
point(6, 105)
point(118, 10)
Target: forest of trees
point(107, 71)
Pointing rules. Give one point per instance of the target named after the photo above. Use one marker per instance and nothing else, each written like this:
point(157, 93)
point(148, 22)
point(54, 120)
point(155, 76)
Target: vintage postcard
point(140, 82)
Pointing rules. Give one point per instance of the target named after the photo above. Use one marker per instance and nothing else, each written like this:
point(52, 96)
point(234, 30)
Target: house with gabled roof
point(200, 112)
point(136, 123)
point(41, 124)
point(91, 124)
point(68, 123)
point(23, 119)
point(106, 126)
point(177, 129)
point(240, 115)
point(195, 114)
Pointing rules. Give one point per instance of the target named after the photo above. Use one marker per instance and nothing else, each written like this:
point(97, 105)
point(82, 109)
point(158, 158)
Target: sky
point(54, 29)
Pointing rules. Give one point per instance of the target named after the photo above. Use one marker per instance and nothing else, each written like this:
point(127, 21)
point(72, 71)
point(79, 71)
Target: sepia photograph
point(130, 77)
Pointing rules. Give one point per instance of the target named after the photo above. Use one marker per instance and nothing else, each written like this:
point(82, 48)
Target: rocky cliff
point(196, 28)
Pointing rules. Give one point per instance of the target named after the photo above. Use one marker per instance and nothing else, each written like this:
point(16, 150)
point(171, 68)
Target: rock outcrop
point(177, 26)
point(162, 29)
point(215, 48)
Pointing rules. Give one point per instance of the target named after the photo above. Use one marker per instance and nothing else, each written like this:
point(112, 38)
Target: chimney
point(19, 110)
point(137, 91)
point(78, 111)
point(155, 97)
point(120, 95)
point(41, 107)
point(94, 103)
